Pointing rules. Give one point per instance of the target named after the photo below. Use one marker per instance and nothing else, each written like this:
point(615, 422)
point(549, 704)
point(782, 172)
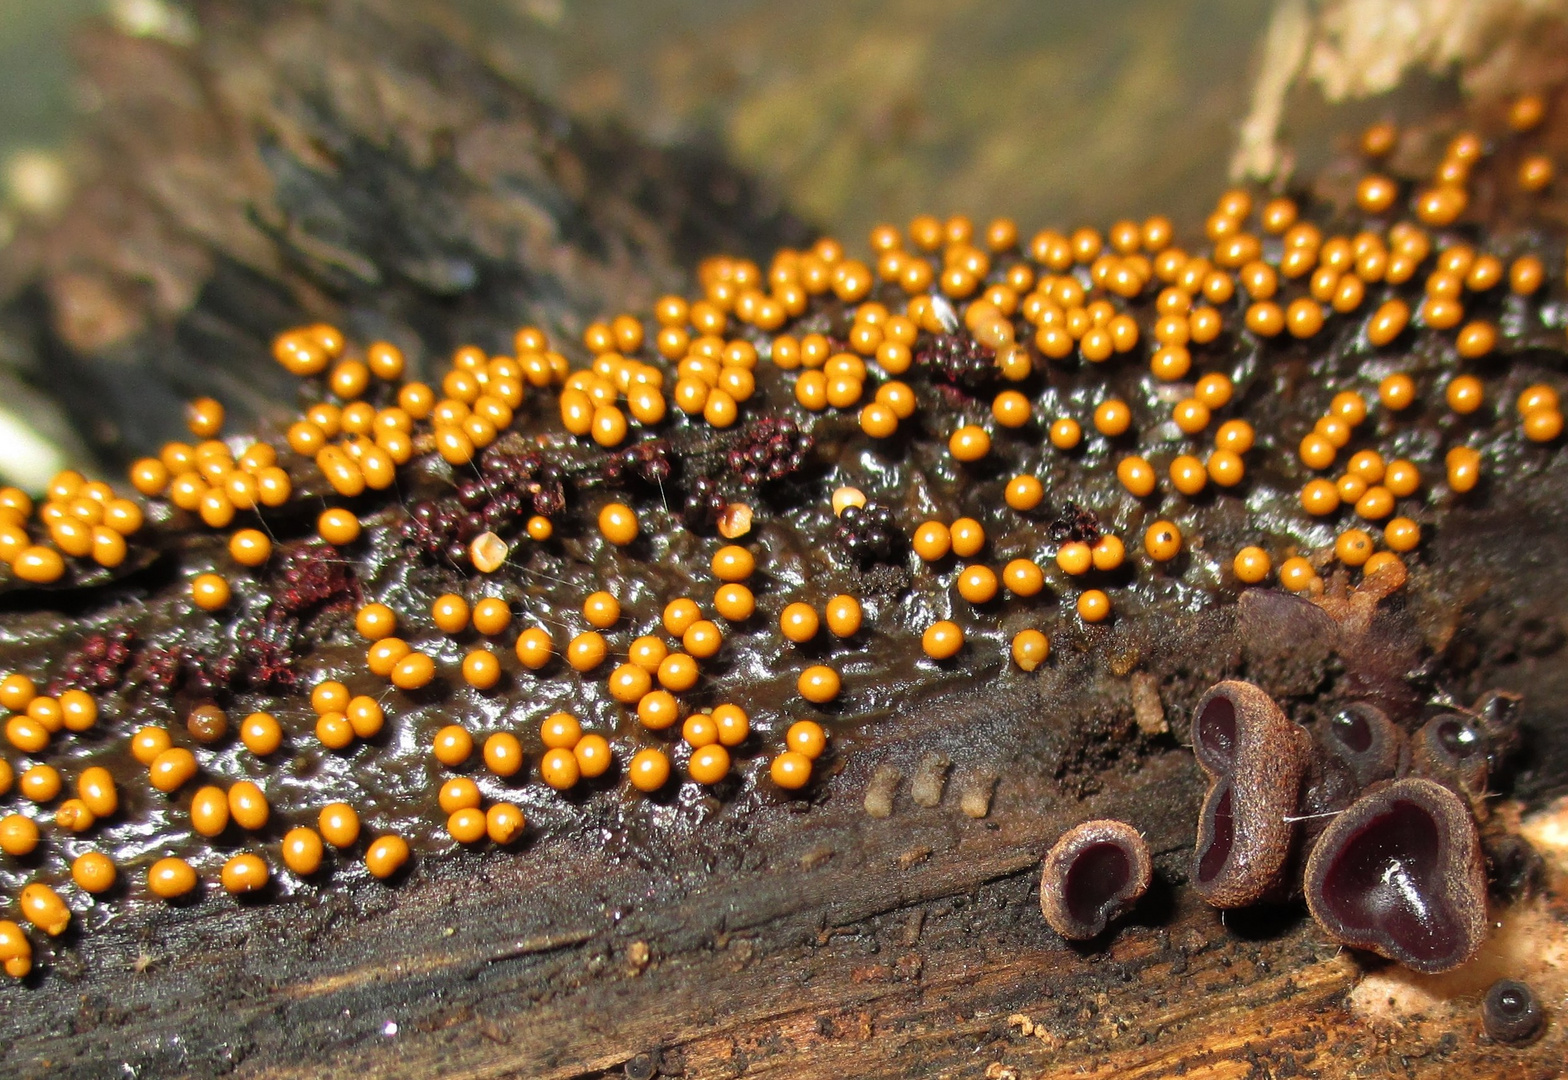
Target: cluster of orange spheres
point(738, 287)
point(571, 755)
point(1540, 414)
point(837, 379)
point(398, 662)
point(800, 623)
point(1058, 308)
point(934, 540)
point(733, 566)
point(36, 717)
point(85, 520)
point(355, 445)
point(212, 809)
point(207, 479)
point(711, 736)
point(460, 798)
point(805, 741)
point(244, 804)
point(342, 717)
point(1353, 548)
point(590, 402)
point(338, 824)
point(468, 822)
point(732, 287)
point(712, 376)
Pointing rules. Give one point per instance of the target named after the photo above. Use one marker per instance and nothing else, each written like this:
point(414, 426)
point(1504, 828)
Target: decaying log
point(340, 161)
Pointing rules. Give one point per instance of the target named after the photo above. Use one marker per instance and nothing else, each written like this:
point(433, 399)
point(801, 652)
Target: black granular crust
point(958, 360)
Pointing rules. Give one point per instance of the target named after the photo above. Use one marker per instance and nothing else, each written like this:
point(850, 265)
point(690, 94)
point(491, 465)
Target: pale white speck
point(27, 456)
point(945, 313)
point(37, 181)
point(152, 19)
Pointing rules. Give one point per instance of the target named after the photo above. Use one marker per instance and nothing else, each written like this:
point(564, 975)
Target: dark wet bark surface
point(341, 164)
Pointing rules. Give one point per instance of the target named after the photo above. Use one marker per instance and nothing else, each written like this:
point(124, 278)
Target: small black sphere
point(868, 534)
point(1511, 1012)
point(641, 1067)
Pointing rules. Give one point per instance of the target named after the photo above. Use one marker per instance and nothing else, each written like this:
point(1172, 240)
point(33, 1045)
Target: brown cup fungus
point(1362, 737)
point(1399, 873)
point(1255, 758)
point(1094, 873)
point(1357, 746)
point(1452, 750)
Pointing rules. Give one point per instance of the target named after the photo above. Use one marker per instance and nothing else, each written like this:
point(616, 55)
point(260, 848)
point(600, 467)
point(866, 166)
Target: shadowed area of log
point(929, 956)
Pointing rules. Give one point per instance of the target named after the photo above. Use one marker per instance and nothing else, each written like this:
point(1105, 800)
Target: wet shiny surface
point(1388, 881)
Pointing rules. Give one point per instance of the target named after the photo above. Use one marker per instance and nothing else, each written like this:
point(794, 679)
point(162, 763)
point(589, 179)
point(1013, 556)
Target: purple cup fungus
point(1511, 1012)
point(1452, 749)
point(1255, 758)
point(1094, 873)
point(1399, 873)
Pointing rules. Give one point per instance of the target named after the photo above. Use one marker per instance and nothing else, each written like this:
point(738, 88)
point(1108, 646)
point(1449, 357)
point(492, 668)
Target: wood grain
point(799, 938)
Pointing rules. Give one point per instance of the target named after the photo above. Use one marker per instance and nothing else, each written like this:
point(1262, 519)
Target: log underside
point(829, 944)
point(806, 939)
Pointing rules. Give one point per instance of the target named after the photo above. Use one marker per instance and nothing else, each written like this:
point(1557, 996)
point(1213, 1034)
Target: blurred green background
point(1053, 111)
point(863, 110)
point(36, 103)
point(34, 71)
